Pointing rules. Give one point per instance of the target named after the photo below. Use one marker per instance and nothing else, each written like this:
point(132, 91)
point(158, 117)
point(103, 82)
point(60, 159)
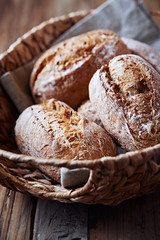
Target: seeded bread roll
point(64, 71)
point(88, 111)
point(126, 95)
point(145, 51)
point(54, 130)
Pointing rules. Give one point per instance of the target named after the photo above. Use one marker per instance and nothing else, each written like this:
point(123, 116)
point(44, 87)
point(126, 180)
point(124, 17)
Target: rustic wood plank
point(154, 5)
point(17, 213)
point(17, 17)
point(134, 219)
point(58, 221)
point(156, 212)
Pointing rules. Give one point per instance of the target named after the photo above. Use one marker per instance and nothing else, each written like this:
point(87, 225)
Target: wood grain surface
point(25, 218)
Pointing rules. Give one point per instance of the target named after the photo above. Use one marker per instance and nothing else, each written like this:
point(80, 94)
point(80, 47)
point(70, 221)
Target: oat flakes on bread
point(126, 95)
point(64, 71)
point(88, 111)
point(54, 130)
point(143, 50)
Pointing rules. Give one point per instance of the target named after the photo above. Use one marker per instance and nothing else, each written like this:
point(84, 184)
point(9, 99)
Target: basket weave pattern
point(112, 179)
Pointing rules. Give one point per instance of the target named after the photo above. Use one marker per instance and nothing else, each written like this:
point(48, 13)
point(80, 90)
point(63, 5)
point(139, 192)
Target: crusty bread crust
point(64, 71)
point(54, 130)
point(126, 95)
point(145, 51)
point(88, 111)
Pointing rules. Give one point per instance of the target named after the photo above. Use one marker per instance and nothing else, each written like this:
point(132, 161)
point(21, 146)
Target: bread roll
point(64, 71)
point(54, 130)
point(126, 95)
point(88, 111)
point(145, 51)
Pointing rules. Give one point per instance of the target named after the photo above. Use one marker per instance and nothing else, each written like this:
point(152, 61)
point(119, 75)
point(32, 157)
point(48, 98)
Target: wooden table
point(23, 217)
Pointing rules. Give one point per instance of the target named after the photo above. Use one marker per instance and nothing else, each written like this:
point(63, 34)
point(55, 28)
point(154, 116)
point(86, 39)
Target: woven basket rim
point(22, 158)
point(40, 26)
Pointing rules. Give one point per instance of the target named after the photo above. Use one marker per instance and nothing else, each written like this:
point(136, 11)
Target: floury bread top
point(64, 71)
point(126, 96)
point(54, 130)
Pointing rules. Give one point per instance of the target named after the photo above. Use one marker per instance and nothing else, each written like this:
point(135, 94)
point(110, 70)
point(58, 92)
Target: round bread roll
point(145, 51)
point(54, 130)
point(88, 111)
point(64, 71)
point(126, 95)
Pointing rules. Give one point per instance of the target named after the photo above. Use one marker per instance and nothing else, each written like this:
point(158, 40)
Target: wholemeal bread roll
point(126, 95)
point(64, 71)
point(88, 111)
point(145, 51)
point(54, 130)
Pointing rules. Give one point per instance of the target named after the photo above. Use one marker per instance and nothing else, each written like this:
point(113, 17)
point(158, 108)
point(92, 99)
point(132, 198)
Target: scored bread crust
point(143, 50)
point(64, 71)
point(126, 95)
point(54, 130)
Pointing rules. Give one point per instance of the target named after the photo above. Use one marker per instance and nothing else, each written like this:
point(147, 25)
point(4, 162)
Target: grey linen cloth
point(127, 18)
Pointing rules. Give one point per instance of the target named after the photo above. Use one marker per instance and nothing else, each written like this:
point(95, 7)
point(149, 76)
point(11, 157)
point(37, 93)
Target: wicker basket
point(112, 179)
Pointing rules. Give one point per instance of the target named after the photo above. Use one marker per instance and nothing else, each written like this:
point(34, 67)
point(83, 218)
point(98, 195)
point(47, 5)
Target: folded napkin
point(127, 18)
